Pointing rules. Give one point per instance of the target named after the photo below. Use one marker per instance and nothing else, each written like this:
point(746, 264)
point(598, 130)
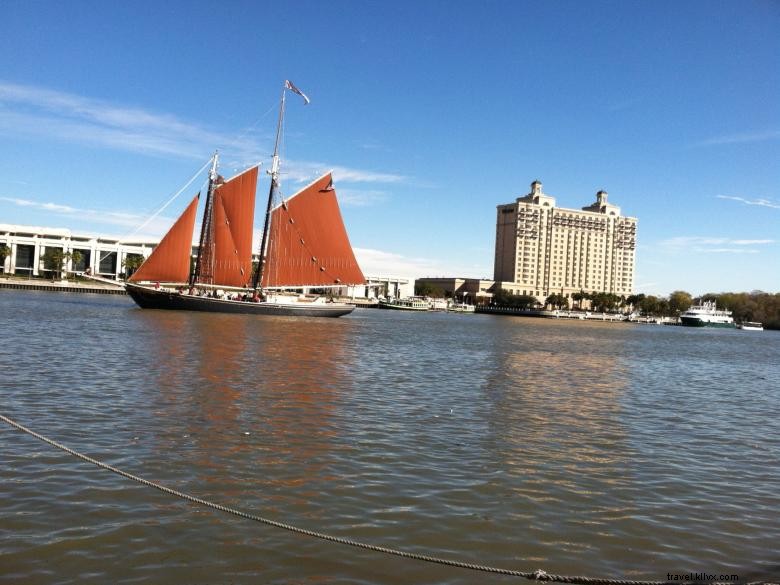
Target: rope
point(537, 575)
point(156, 213)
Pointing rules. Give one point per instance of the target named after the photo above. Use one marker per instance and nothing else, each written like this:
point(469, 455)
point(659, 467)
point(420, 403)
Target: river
point(598, 449)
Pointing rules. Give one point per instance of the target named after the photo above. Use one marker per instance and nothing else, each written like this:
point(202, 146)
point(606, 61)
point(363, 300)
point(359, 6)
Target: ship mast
point(204, 263)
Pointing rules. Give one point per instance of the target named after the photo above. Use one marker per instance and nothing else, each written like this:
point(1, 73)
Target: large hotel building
point(542, 249)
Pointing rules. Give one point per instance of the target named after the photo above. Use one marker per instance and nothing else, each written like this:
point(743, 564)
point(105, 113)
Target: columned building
point(542, 249)
point(100, 255)
point(106, 257)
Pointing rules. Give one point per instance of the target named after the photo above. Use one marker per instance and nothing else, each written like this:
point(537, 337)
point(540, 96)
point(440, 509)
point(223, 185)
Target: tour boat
point(706, 315)
point(304, 245)
point(407, 304)
point(461, 308)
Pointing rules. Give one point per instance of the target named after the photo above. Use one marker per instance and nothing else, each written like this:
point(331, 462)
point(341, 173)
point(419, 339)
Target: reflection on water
point(582, 448)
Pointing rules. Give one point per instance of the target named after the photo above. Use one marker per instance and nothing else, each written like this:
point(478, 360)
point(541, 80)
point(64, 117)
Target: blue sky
point(431, 114)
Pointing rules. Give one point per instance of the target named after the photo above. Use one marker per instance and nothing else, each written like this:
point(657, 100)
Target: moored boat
point(461, 308)
point(407, 304)
point(706, 315)
point(304, 245)
point(751, 326)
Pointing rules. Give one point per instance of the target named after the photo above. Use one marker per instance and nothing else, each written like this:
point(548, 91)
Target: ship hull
point(695, 322)
point(150, 298)
point(393, 307)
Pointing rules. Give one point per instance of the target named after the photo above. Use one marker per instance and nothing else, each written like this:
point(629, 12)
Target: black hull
point(149, 298)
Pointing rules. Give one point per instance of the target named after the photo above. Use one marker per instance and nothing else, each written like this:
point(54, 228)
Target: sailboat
point(304, 245)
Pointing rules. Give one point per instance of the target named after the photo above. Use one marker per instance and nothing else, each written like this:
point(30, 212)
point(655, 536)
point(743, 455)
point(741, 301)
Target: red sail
point(309, 245)
point(233, 216)
point(170, 260)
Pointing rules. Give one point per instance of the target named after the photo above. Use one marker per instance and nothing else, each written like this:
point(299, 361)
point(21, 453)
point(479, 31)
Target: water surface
point(596, 449)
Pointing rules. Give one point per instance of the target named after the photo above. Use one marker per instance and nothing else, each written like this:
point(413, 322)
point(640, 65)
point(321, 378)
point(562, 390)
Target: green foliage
point(578, 297)
point(679, 302)
point(76, 256)
point(605, 302)
point(426, 289)
point(5, 252)
point(557, 301)
point(754, 306)
point(634, 300)
point(132, 262)
point(53, 259)
point(504, 298)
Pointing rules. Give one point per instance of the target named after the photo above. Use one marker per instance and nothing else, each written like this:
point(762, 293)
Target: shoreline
point(67, 287)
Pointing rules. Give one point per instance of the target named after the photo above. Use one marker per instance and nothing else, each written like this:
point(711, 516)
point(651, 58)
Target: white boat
point(438, 304)
point(461, 308)
point(304, 245)
point(750, 326)
point(706, 315)
point(407, 304)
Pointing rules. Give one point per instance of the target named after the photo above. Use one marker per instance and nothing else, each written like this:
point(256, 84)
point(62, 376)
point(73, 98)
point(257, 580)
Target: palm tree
point(53, 258)
point(579, 297)
point(131, 263)
point(75, 257)
point(5, 252)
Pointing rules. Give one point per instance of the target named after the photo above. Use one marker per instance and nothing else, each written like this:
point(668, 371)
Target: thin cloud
point(712, 245)
point(727, 251)
point(388, 263)
point(129, 220)
point(35, 111)
point(759, 202)
point(371, 145)
point(379, 262)
point(38, 112)
point(360, 198)
point(305, 172)
point(744, 137)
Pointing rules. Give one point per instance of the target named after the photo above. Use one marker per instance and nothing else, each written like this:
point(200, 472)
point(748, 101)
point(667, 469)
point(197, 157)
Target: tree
point(556, 300)
point(634, 300)
point(679, 302)
point(426, 289)
point(504, 298)
point(579, 297)
point(5, 252)
point(53, 259)
point(132, 262)
point(75, 257)
point(604, 302)
point(649, 305)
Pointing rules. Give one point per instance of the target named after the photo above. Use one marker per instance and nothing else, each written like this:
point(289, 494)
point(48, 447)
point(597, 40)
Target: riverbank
point(63, 286)
point(556, 314)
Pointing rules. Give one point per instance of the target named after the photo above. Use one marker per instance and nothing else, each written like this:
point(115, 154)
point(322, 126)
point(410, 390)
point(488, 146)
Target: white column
point(12, 263)
point(119, 258)
point(36, 256)
point(93, 256)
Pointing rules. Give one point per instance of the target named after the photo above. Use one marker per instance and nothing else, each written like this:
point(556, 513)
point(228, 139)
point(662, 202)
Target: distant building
point(474, 291)
point(106, 257)
point(100, 255)
point(542, 249)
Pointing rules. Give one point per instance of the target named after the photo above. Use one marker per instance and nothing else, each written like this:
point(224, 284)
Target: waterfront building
point(474, 291)
point(107, 257)
point(103, 256)
point(542, 249)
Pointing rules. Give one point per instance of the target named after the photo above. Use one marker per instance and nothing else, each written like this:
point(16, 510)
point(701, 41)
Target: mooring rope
point(537, 575)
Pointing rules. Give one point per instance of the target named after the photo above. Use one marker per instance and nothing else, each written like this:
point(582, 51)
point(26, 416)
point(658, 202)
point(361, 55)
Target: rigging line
point(167, 203)
point(537, 575)
point(156, 213)
point(256, 122)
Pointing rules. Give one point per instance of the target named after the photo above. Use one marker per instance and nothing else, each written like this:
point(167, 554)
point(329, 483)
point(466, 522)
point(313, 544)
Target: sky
point(431, 113)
